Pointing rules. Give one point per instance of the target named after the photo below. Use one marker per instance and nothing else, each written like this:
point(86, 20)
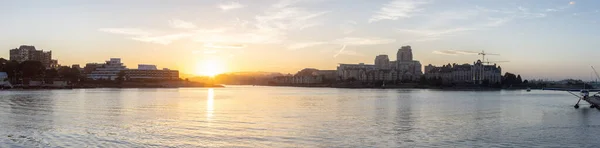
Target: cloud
point(230, 6)
point(430, 35)
point(180, 24)
point(495, 22)
point(147, 36)
point(209, 51)
point(126, 31)
point(296, 46)
point(226, 46)
point(363, 41)
point(348, 27)
point(397, 9)
point(455, 52)
point(340, 51)
point(163, 39)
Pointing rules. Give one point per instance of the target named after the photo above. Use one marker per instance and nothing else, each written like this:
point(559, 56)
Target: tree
point(509, 79)
point(31, 69)
point(519, 80)
point(525, 82)
point(12, 69)
point(121, 76)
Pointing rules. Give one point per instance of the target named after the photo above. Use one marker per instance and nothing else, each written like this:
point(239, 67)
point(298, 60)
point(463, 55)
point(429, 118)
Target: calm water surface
point(247, 116)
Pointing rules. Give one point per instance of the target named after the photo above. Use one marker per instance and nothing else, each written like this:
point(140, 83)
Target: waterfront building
point(108, 71)
point(30, 53)
point(150, 72)
point(382, 62)
point(147, 67)
point(76, 66)
point(295, 80)
point(307, 76)
point(4, 82)
point(477, 73)
point(89, 67)
point(404, 68)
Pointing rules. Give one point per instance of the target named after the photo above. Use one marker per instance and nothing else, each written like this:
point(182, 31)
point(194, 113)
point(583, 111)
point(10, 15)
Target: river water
point(248, 116)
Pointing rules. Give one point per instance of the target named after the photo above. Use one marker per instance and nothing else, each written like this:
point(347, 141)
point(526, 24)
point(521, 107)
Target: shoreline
point(407, 86)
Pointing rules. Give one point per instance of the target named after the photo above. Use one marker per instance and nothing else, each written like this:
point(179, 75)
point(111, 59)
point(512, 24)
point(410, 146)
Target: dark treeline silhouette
point(34, 70)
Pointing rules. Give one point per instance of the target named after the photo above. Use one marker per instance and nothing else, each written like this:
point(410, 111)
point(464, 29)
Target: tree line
point(35, 70)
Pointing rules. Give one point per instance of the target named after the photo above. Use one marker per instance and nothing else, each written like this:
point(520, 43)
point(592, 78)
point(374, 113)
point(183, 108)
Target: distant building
point(146, 67)
point(307, 76)
point(141, 74)
point(295, 80)
point(29, 53)
point(460, 74)
point(326, 74)
point(404, 68)
point(89, 67)
point(76, 66)
point(404, 54)
point(382, 62)
point(108, 71)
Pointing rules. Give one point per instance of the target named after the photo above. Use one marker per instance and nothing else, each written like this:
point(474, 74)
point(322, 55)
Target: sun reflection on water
point(210, 103)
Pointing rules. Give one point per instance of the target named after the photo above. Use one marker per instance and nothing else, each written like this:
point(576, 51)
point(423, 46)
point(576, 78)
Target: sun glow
point(210, 67)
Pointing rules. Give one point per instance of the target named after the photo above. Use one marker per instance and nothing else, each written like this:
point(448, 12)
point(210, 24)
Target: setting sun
point(210, 67)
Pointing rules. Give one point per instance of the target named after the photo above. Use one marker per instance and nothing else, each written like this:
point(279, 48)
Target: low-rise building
point(145, 74)
point(108, 71)
point(298, 80)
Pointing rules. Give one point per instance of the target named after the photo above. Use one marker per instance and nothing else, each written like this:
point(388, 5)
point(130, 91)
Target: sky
point(540, 39)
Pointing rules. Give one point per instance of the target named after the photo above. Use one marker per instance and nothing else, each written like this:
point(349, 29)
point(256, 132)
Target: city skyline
point(542, 40)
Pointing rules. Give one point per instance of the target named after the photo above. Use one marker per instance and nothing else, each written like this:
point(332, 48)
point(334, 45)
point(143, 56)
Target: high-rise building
point(404, 54)
point(29, 53)
point(382, 62)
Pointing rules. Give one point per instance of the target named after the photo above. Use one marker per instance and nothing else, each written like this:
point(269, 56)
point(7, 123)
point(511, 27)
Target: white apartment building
point(108, 71)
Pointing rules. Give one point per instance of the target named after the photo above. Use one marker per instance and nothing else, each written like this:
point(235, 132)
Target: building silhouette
point(30, 53)
point(405, 68)
point(477, 73)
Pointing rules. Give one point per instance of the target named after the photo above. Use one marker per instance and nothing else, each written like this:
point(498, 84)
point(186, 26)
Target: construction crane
point(483, 54)
point(487, 61)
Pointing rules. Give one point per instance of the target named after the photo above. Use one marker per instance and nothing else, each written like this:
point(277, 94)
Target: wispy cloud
point(430, 35)
point(147, 36)
point(455, 52)
point(162, 39)
point(340, 51)
point(495, 22)
point(225, 46)
point(296, 46)
point(180, 24)
point(348, 27)
point(230, 6)
point(363, 41)
point(397, 9)
point(126, 31)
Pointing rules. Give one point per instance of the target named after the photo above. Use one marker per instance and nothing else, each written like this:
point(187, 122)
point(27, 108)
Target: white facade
point(108, 71)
